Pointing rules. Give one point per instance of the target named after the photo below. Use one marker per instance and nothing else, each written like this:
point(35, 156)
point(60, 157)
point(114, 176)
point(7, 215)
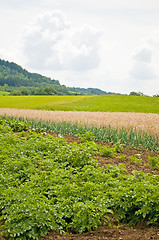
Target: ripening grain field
point(148, 122)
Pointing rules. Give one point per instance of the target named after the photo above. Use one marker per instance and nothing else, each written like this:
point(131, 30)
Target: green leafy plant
point(119, 146)
point(87, 136)
point(121, 157)
point(136, 158)
point(106, 151)
point(154, 161)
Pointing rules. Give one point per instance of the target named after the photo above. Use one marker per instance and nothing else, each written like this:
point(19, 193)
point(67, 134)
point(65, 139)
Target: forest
point(14, 80)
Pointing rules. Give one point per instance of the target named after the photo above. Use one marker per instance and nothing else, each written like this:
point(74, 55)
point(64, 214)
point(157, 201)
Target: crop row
point(131, 138)
point(47, 184)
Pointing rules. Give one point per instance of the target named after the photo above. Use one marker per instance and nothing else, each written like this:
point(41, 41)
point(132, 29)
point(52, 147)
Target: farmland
point(73, 175)
point(148, 122)
point(53, 184)
point(37, 102)
point(107, 103)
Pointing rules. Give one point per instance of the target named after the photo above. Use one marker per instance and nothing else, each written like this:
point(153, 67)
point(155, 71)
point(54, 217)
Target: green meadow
point(102, 103)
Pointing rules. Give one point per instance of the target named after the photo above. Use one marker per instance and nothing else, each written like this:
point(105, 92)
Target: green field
point(102, 103)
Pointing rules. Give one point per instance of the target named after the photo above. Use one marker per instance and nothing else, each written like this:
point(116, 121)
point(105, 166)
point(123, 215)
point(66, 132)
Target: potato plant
point(154, 161)
point(47, 184)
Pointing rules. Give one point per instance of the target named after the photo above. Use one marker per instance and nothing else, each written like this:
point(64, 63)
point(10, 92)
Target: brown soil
point(123, 232)
point(148, 122)
point(116, 231)
point(144, 166)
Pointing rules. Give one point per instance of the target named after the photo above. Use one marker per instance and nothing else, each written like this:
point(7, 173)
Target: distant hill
point(18, 81)
point(90, 91)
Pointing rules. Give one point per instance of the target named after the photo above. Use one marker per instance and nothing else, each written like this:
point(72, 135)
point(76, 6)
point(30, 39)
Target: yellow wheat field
point(148, 122)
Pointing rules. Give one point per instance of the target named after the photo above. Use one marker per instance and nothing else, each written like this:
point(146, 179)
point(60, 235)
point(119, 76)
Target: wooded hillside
point(17, 81)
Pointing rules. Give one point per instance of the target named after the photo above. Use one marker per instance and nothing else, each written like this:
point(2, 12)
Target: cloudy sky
point(111, 45)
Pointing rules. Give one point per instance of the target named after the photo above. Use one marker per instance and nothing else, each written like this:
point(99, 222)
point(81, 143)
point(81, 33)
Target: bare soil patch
point(143, 166)
point(116, 231)
point(149, 122)
point(123, 232)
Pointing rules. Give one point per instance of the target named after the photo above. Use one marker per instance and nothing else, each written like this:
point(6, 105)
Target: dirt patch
point(123, 232)
point(117, 159)
point(116, 231)
point(148, 122)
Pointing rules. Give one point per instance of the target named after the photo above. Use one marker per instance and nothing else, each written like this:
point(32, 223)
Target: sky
point(110, 45)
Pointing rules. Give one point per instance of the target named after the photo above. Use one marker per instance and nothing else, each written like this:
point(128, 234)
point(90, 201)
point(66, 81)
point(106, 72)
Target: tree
point(136, 94)
point(16, 93)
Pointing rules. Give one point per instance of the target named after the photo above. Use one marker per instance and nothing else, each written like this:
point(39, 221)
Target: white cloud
point(76, 53)
point(51, 43)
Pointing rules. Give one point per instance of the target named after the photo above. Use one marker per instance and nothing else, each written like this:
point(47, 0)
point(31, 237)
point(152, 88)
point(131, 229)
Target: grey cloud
point(142, 65)
point(51, 43)
point(85, 62)
point(144, 55)
point(142, 71)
